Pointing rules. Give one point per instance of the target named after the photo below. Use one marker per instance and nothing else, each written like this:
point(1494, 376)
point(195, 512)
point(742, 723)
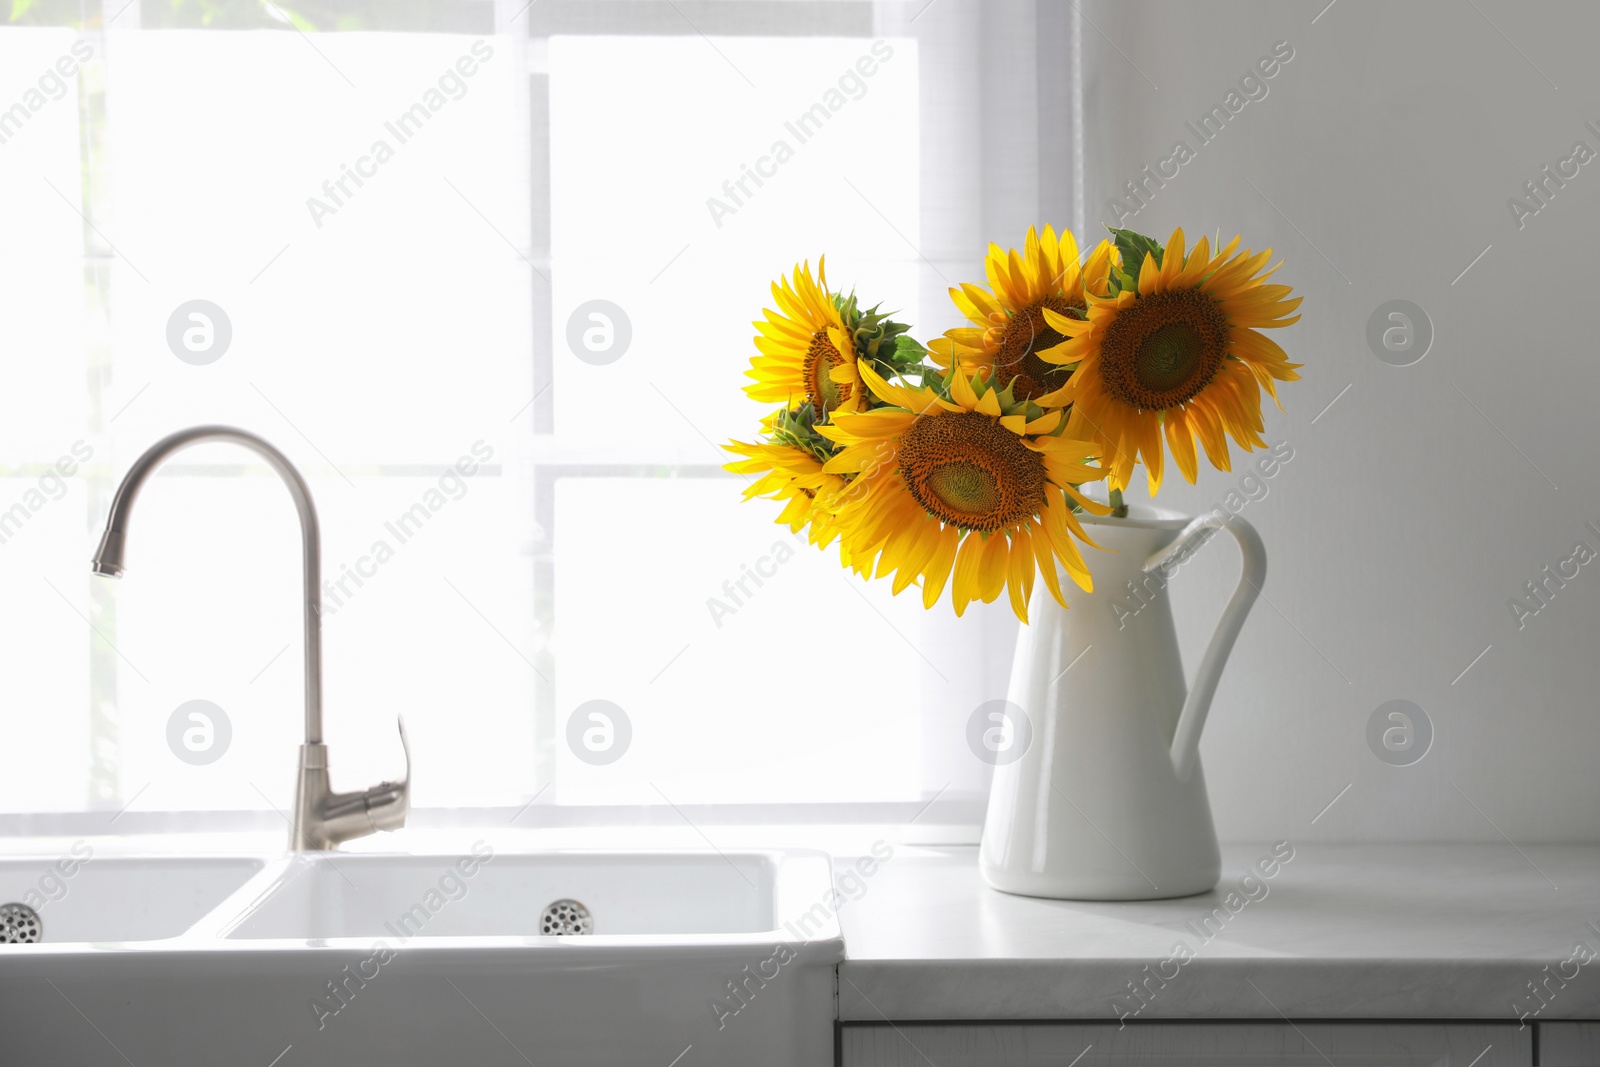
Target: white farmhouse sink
point(635, 894)
point(83, 897)
point(697, 959)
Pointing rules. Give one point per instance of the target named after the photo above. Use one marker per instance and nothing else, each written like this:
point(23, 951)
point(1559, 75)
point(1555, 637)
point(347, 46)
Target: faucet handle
point(388, 803)
point(405, 747)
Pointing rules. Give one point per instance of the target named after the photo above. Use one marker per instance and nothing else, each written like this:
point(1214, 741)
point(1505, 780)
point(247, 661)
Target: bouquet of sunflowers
point(961, 464)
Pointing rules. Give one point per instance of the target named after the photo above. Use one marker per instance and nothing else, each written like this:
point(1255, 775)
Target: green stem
point(1119, 510)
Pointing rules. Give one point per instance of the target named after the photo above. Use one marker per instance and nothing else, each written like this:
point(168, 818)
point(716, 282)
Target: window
point(485, 273)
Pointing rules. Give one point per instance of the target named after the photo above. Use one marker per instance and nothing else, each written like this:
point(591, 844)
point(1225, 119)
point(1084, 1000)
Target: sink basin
point(322, 896)
point(83, 897)
point(695, 958)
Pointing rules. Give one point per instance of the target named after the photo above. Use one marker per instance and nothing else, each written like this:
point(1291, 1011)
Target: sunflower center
point(1163, 349)
point(1170, 356)
point(966, 486)
point(821, 358)
point(964, 468)
point(1026, 334)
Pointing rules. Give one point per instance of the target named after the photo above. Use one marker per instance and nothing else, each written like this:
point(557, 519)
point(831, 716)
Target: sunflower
point(1177, 351)
point(806, 350)
point(788, 465)
point(976, 486)
point(793, 476)
point(1009, 328)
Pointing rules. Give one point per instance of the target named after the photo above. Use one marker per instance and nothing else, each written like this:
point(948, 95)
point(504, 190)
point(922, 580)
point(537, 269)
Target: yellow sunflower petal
point(1019, 572)
point(938, 566)
point(967, 571)
point(992, 567)
point(1045, 558)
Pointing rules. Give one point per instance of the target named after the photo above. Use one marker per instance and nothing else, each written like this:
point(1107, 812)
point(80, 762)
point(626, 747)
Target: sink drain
point(20, 925)
point(566, 918)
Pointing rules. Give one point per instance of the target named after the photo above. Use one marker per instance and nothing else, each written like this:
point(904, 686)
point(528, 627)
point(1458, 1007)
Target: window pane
point(41, 264)
point(425, 586)
point(634, 175)
point(387, 321)
point(699, 617)
point(44, 585)
point(43, 407)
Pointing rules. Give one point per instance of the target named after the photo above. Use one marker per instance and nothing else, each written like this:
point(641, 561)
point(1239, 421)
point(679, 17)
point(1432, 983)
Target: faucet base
point(323, 817)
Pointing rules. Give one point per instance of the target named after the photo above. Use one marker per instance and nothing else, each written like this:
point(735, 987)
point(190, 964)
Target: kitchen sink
point(81, 897)
point(481, 956)
point(323, 895)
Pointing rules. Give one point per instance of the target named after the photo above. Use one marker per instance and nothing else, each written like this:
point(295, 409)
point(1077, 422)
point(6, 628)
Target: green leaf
point(20, 8)
point(907, 349)
point(1134, 247)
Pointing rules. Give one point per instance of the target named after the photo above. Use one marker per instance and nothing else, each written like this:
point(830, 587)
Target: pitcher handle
point(1252, 574)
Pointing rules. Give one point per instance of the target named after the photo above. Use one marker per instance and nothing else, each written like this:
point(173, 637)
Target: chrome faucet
point(322, 817)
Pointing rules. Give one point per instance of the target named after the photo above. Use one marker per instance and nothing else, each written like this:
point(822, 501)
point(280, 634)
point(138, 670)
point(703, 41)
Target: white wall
point(1388, 147)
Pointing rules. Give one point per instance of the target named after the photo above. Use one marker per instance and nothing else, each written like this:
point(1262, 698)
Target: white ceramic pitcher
point(1108, 800)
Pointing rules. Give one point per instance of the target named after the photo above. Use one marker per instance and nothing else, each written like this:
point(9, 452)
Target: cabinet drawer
point(1569, 1044)
point(1158, 1044)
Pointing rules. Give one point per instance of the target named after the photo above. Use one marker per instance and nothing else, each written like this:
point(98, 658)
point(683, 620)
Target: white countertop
point(1340, 932)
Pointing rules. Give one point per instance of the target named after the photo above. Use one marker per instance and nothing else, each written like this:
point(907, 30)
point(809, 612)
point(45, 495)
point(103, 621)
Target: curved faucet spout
point(323, 817)
point(108, 558)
